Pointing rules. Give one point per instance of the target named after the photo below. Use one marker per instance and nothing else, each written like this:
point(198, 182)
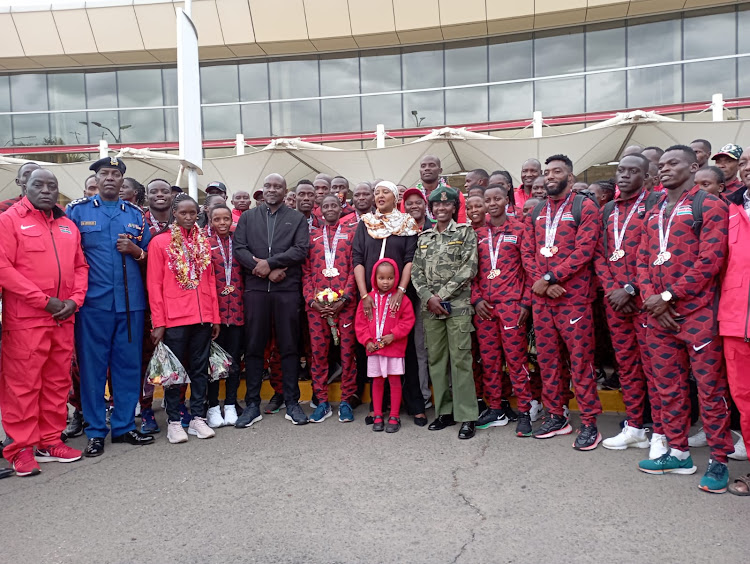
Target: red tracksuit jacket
point(231, 306)
point(512, 285)
point(691, 273)
point(313, 280)
point(571, 265)
point(734, 305)
point(40, 258)
point(171, 306)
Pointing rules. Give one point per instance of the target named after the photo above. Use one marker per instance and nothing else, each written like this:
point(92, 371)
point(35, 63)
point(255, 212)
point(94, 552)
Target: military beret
point(109, 162)
point(730, 150)
point(444, 194)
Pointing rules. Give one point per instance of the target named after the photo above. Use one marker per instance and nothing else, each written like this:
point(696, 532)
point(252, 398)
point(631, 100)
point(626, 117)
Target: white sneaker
point(740, 452)
point(628, 437)
point(175, 433)
point(230, 415)
point(199, 428)
point(698, 440)
point(659, 446)
point(536, 410)
point(214, 417)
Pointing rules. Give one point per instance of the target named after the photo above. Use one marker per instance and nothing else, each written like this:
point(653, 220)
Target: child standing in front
point(385, 337)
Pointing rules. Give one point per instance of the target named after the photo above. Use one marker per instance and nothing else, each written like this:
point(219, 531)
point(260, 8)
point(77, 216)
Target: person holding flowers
point(184, 310)
point(329, 289)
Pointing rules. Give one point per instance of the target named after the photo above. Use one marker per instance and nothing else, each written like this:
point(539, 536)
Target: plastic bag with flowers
point(219, 362)
point(328, 297)
point(165, 369)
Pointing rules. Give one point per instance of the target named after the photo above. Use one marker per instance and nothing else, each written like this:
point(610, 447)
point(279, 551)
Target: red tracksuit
point(507, 293)
point(567, 320)
point(734, 314)
point(313, 281)
point(691, 275)
point(628, 330)
point(40, 257)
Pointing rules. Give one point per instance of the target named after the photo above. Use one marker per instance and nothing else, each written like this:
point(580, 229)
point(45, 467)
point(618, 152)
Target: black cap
point(109, 162)
point(218, 185)
point(176, 189)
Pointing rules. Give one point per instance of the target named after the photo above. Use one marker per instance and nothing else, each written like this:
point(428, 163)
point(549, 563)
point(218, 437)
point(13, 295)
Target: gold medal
point(227, 290)
point(494, 273)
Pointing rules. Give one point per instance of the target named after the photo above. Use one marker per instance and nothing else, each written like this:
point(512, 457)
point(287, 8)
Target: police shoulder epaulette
point(136, 207)
point(78, 201)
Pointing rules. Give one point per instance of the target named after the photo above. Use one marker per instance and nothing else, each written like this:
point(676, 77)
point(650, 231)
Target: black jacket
point(281, 238)
point(738, 197)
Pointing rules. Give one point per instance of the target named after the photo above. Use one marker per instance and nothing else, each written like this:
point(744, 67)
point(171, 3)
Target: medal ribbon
point(227, 263)
point(380, 320)
point(494, 251)
point(620, 234)
point(330, 253)
point(664, 236)
point(551, 230)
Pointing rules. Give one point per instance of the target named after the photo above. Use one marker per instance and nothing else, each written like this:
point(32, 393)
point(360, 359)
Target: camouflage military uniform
point(444, 265)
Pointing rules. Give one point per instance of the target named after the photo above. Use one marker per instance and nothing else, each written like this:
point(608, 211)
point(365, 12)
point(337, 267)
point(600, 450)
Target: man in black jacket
point(271, 243)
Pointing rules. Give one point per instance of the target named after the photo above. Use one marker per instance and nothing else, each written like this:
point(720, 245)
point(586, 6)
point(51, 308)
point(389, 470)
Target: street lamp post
point(105, 128)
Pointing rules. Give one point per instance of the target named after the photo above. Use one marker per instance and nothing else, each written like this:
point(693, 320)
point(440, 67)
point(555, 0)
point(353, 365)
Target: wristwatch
point(667, 296)
point(549, 278)
point(630, 289)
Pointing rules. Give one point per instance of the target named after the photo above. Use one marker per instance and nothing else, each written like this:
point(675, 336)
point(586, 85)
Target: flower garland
point(188, 258)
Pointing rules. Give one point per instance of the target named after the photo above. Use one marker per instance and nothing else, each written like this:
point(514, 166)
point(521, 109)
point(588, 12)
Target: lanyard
point(494, 251)
point(155, 224)
point(227, 263)
point(551, 230)
point(380, 320)
point(664, 235)
point(620, 233)
point(330, 253)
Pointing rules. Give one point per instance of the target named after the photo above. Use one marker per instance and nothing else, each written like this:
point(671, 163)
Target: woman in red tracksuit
point(385, 337)
point(184, 310)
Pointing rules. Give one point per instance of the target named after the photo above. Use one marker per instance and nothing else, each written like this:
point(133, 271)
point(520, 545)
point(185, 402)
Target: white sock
point(679, 454)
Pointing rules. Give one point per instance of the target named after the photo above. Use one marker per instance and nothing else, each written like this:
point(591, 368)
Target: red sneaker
point(24, 463)
point(59, 452)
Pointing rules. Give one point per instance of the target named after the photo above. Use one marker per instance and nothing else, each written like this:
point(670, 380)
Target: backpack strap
point(537, 210)
point(652, 199)
point(697, 206)
point(577, 208)
point(606, 212)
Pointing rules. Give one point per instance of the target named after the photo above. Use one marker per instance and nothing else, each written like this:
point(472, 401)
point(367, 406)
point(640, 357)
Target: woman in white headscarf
point(390, 233)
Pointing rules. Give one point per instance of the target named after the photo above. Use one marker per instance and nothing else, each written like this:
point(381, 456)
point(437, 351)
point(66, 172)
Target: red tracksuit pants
point(737, 355)
point(34, 385)
point(629, 339)
point(673, 355)
point(320, 343)
point(573, 326)
point(501, 337)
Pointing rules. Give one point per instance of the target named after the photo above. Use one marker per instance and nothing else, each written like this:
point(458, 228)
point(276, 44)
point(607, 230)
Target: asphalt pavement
point(339, 493)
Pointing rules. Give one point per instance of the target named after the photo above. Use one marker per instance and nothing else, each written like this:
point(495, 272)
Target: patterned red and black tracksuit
point(313, 281)
point(567, 320)
point(508, 293)
point(691, 275)
point(628, 330)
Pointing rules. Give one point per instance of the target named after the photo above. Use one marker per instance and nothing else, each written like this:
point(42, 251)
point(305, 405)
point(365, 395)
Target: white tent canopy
point(458, 149)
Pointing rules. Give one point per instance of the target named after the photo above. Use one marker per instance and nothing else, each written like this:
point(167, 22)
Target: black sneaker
point(509, 413)
point(492, 418)
point(611, 382)
point(75, 426)
point(588, 438)
point(523, 427)
point(481, 405)
point(276, 403)
point(553, 425)
point(295, 414)
point(251, 414)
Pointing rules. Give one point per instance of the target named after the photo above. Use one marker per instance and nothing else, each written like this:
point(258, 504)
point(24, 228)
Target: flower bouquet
point(165, 369)
point(219, 363)
point(329, 297)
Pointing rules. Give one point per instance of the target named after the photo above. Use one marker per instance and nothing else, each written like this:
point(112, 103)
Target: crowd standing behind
point(497, 292)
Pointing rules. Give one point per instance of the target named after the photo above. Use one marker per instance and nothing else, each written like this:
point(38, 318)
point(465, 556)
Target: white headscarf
point(382, 225)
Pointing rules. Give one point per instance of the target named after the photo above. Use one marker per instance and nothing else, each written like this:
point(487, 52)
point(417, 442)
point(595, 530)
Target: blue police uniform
point(101, 328)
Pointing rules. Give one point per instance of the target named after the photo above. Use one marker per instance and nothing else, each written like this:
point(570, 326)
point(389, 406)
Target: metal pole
point(537, 123)
point(103, 148)
point(193, 183)
point(239, 144)
point(380, 136)
point(717, 107)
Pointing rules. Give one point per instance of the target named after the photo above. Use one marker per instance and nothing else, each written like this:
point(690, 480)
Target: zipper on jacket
point(747, 316)
point(270, 236)
point(198, 296)
point(57, 258)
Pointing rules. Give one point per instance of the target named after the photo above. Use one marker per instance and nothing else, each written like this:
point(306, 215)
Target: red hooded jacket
point(398, 323)
point(734, 304)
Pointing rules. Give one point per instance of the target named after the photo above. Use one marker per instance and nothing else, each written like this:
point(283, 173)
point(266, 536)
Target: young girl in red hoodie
point(385, 336)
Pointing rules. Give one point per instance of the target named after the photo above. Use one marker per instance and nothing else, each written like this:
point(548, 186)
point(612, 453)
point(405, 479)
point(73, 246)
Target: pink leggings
point(378, 387)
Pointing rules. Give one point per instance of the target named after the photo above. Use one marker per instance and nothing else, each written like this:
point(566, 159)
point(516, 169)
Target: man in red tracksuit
point(558, 249)
point(679, 260)
point(44, 276)
point(616, 265)
point(329, 265)
point(502, 300)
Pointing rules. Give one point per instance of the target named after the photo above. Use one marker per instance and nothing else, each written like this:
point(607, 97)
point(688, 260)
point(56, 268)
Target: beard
point(557, 190)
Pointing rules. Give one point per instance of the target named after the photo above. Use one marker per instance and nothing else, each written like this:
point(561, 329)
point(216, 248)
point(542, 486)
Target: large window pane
point(31, 129)
point(558, 54)
point(28, 92)
point(253, 82)
point(710, 35)
point(221, 122)
point(171, 125)
point(141, 126)
point(702, 80)
point(562, 96)
point(69, 129)
point(140, 87)
point(66, 91)
point(384, 109)
point(654, 42)
point(655, 86)
point(101, 90)
point(381, 72)
point(511, 101)
point(339, 76)
point(6, 132)
point(103, 125)
point(4, 94)
point(466, 63)
point(743, 23)
point(169, 78)
point(423, 69)
point(219, 84)
point(429, 108)
point(605, 47)
point(294, 79)
point(256, 120)
point(341, 115)
point(295, 118)
point(467, 105)
point(511, 60)
point(744, 77)
point(605, 91)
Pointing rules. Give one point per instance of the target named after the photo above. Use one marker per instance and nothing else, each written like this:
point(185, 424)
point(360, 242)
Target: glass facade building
point(634, 63)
